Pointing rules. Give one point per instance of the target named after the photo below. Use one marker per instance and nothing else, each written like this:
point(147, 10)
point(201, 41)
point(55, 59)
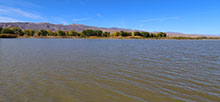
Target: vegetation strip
point(16, 32)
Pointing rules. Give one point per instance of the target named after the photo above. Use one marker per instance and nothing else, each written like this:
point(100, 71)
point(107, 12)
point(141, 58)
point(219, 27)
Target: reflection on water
point(68, 70)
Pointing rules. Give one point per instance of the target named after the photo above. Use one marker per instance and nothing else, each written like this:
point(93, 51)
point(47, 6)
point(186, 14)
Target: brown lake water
point(76, 70)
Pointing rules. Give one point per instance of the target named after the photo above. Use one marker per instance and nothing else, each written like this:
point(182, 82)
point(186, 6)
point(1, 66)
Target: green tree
point(17, 30)
point(106, 34)
point(123, 33)
point(7, 31)
point(98, 33)
point(137, 34)
point(50, 33)
point(79, 34)
point(116, 34)
point(55, 34)
point(66, 33)
point(61, 33)
point(151, 35)
point(145, 34)
point(37, 33)
point(1, 29)
point(43, 32)
point(73, 33)
point(89, 32)
point(29, 32)
point(161, 34)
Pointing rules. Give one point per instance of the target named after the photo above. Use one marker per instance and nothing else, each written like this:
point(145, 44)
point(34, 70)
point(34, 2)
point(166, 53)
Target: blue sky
point(185, 16)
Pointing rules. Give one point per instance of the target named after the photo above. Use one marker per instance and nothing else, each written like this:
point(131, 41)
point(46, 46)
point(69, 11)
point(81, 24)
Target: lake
point(83, 70)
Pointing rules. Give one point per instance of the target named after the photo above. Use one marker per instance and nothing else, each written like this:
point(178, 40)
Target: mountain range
point(77, 27)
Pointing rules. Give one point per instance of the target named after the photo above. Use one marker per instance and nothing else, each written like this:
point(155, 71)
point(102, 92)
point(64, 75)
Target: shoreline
point(125, 38)
point(14, 36)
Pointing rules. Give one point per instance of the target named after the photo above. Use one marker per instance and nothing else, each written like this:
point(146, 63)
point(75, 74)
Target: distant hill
point(77, 27)
point(176, 34)
point(55, 27)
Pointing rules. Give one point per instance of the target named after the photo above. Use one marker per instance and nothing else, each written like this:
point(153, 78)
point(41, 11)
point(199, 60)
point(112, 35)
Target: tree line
point(84, 33)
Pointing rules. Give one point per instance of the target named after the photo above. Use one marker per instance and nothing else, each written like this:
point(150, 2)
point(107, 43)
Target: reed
point(8, 35)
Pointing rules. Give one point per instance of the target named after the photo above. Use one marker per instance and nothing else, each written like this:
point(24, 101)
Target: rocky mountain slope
point(55, 27)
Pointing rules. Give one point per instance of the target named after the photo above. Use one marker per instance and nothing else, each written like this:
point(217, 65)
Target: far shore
point(112, 37)
point(16, 32)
